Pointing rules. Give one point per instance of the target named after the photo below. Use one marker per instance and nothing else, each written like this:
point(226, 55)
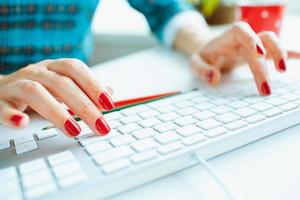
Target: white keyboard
point(147, 142)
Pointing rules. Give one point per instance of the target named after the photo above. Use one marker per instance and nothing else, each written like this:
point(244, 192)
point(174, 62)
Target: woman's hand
point(43, 85)
point(234, 47)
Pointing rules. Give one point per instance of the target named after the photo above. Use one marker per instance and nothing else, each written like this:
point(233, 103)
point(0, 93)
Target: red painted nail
point(102, 126)
point(260, 50)
point(265, 88)
point(106, 101)
point(281, 65)
point(70, 112)
point(16, 119)
point(209, 76)
point(72, 127)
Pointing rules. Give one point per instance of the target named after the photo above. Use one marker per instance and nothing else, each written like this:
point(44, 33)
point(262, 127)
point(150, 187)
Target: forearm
point(189, 39)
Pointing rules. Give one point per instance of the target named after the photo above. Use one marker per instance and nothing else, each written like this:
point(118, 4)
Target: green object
point(209, 7)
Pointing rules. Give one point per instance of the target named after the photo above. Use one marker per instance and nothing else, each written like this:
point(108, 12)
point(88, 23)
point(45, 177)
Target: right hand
point(43, 85)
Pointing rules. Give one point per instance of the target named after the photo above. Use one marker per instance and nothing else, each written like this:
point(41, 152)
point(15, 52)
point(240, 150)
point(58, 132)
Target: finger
point(275, 49)
point(37, 97)
point(12, 117)
point(76, 100)
point(204, 71)
point(294, 54)
point(259, 70)
point(80, 73)
point(245, 37)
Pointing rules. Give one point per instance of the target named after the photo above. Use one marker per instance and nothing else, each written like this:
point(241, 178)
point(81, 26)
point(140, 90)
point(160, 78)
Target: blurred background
point(120, 30)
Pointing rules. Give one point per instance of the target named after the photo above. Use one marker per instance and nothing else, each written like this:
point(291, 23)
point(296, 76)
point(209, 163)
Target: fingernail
point(106, 101)
point(102, 126)
point(265, 88)
point(70, 112)
point(260, 50)
point(72, 127)
point(16, 119)
point(281, 65)
point(209, 76)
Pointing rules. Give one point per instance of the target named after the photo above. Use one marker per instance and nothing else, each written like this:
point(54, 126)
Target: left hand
point(236, 46)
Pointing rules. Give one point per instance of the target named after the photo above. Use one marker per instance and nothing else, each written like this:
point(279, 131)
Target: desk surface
point(268, 169)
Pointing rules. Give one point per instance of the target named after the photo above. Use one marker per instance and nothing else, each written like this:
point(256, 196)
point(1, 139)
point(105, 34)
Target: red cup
point(263, 17)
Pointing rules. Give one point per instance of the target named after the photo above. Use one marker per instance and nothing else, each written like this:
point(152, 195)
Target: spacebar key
point(113, 154)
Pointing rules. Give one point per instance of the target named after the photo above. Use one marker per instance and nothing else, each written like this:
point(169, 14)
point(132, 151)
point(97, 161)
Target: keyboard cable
point(214, 175)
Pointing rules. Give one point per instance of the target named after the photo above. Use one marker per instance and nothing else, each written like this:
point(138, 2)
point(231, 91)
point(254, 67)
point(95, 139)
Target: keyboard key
point(40, 191)
point(187, 111)
point(245, 112)
point(23, 139)
point(188, 130)
point(238, 104)
point(221, 109)
point(236, 125)
point(194, 139)
point(66, 169)
point(220, 101)
point(32, 166)
point(273, 112)
point(252, 99)
point(149, 114)
point(144, 156)
point(255, 118)
point(200, 99)
point(113, 124)
point(97, 147)
point(227, 118)
point(8, 173)
point(183, 121)
point(130, 119)
point(70, 181)
point(95, 138)
point(113, 154)
point(37, 178)
point(116, 166)
point(62, 157)
point(168, 116)
point(144, 133)
point(5, 144)
point(288, 106)
point(144, 145)
point(276, 101)
point(26, 147)
point(205, 106)
point(128, 128)
point(113, 116)
point(147, 123)
point(167, 126)
point(45, 134)
point(122, 140)
point(10, 189)
point(290, 96)
point(215, 132)
point(261, 106)
point(167, 137)
point(169, 148)
point(167, 108)
point(204, 115)
point(85, 132)
point(208, 124)
point(134, 110)
point(184, 104)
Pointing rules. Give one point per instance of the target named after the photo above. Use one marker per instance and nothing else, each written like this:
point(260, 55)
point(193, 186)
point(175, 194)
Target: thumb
point(204, 71)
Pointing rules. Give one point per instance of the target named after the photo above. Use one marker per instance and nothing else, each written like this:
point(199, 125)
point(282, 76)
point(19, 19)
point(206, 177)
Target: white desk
point(268, 169)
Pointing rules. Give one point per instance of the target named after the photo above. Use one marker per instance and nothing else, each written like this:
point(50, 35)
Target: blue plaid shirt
point(33, 30)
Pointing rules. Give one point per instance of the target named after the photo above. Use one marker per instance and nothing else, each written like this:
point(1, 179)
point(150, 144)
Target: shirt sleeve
point(166, 17)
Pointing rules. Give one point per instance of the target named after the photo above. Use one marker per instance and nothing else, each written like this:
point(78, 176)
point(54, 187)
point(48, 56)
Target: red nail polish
point(209, 76)
point(265, 88)
point(16, 119)
point(260, 50)
point(106, 101)
point(70, 112)
point(102, 126)
point(72, 127)
point(281, 65)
